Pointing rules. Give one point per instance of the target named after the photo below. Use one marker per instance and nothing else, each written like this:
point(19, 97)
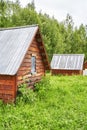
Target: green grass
point(58, 103)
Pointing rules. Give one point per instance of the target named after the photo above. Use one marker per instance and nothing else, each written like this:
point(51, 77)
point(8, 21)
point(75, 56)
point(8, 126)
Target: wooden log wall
point(85, 65)
point(8, 88)
point(24, 72)
point(66, 72)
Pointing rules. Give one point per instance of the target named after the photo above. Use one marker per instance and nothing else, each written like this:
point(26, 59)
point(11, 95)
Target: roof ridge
point(18, 27)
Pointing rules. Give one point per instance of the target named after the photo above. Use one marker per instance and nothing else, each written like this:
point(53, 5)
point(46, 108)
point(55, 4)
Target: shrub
point(42, 87)
point(25, 95)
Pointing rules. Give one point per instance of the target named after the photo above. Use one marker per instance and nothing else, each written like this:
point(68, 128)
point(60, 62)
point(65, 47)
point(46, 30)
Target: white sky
point(59, 9)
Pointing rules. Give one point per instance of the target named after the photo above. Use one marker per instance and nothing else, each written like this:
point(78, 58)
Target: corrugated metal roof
point(14, 43)
point(67, 61)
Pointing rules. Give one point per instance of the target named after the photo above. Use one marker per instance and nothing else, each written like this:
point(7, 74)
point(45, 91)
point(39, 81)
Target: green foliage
point(25, 95)
point(42, 87)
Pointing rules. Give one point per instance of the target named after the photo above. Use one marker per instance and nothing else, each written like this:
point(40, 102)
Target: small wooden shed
point(22, 58)
point(67, 64)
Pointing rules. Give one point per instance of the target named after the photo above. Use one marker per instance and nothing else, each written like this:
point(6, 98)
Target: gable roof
point(67, 61)
point(14, 43)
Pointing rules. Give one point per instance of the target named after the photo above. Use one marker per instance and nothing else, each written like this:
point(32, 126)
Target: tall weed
point(43, 87)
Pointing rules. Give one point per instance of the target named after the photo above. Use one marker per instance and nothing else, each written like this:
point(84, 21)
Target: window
point(33, 65)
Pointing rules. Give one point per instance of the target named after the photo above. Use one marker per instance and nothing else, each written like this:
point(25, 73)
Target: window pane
point(33, 64)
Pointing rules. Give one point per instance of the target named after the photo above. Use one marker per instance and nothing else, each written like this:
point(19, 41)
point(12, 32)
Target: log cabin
point(67, 64)
point(23, 58)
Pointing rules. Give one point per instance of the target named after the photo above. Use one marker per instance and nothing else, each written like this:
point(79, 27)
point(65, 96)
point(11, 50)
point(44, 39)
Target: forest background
point(59, 37)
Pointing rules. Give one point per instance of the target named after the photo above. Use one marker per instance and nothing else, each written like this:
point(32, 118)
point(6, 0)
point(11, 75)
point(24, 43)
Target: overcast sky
point(59, 9)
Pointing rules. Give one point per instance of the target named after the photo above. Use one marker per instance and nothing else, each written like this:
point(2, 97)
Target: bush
point(43, 87)
point(25, 95)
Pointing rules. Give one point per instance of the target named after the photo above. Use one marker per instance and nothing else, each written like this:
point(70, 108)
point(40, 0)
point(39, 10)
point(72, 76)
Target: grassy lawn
point(58, 103)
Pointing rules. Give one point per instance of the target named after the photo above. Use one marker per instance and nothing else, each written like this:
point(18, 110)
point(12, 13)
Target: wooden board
point(8, 88)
